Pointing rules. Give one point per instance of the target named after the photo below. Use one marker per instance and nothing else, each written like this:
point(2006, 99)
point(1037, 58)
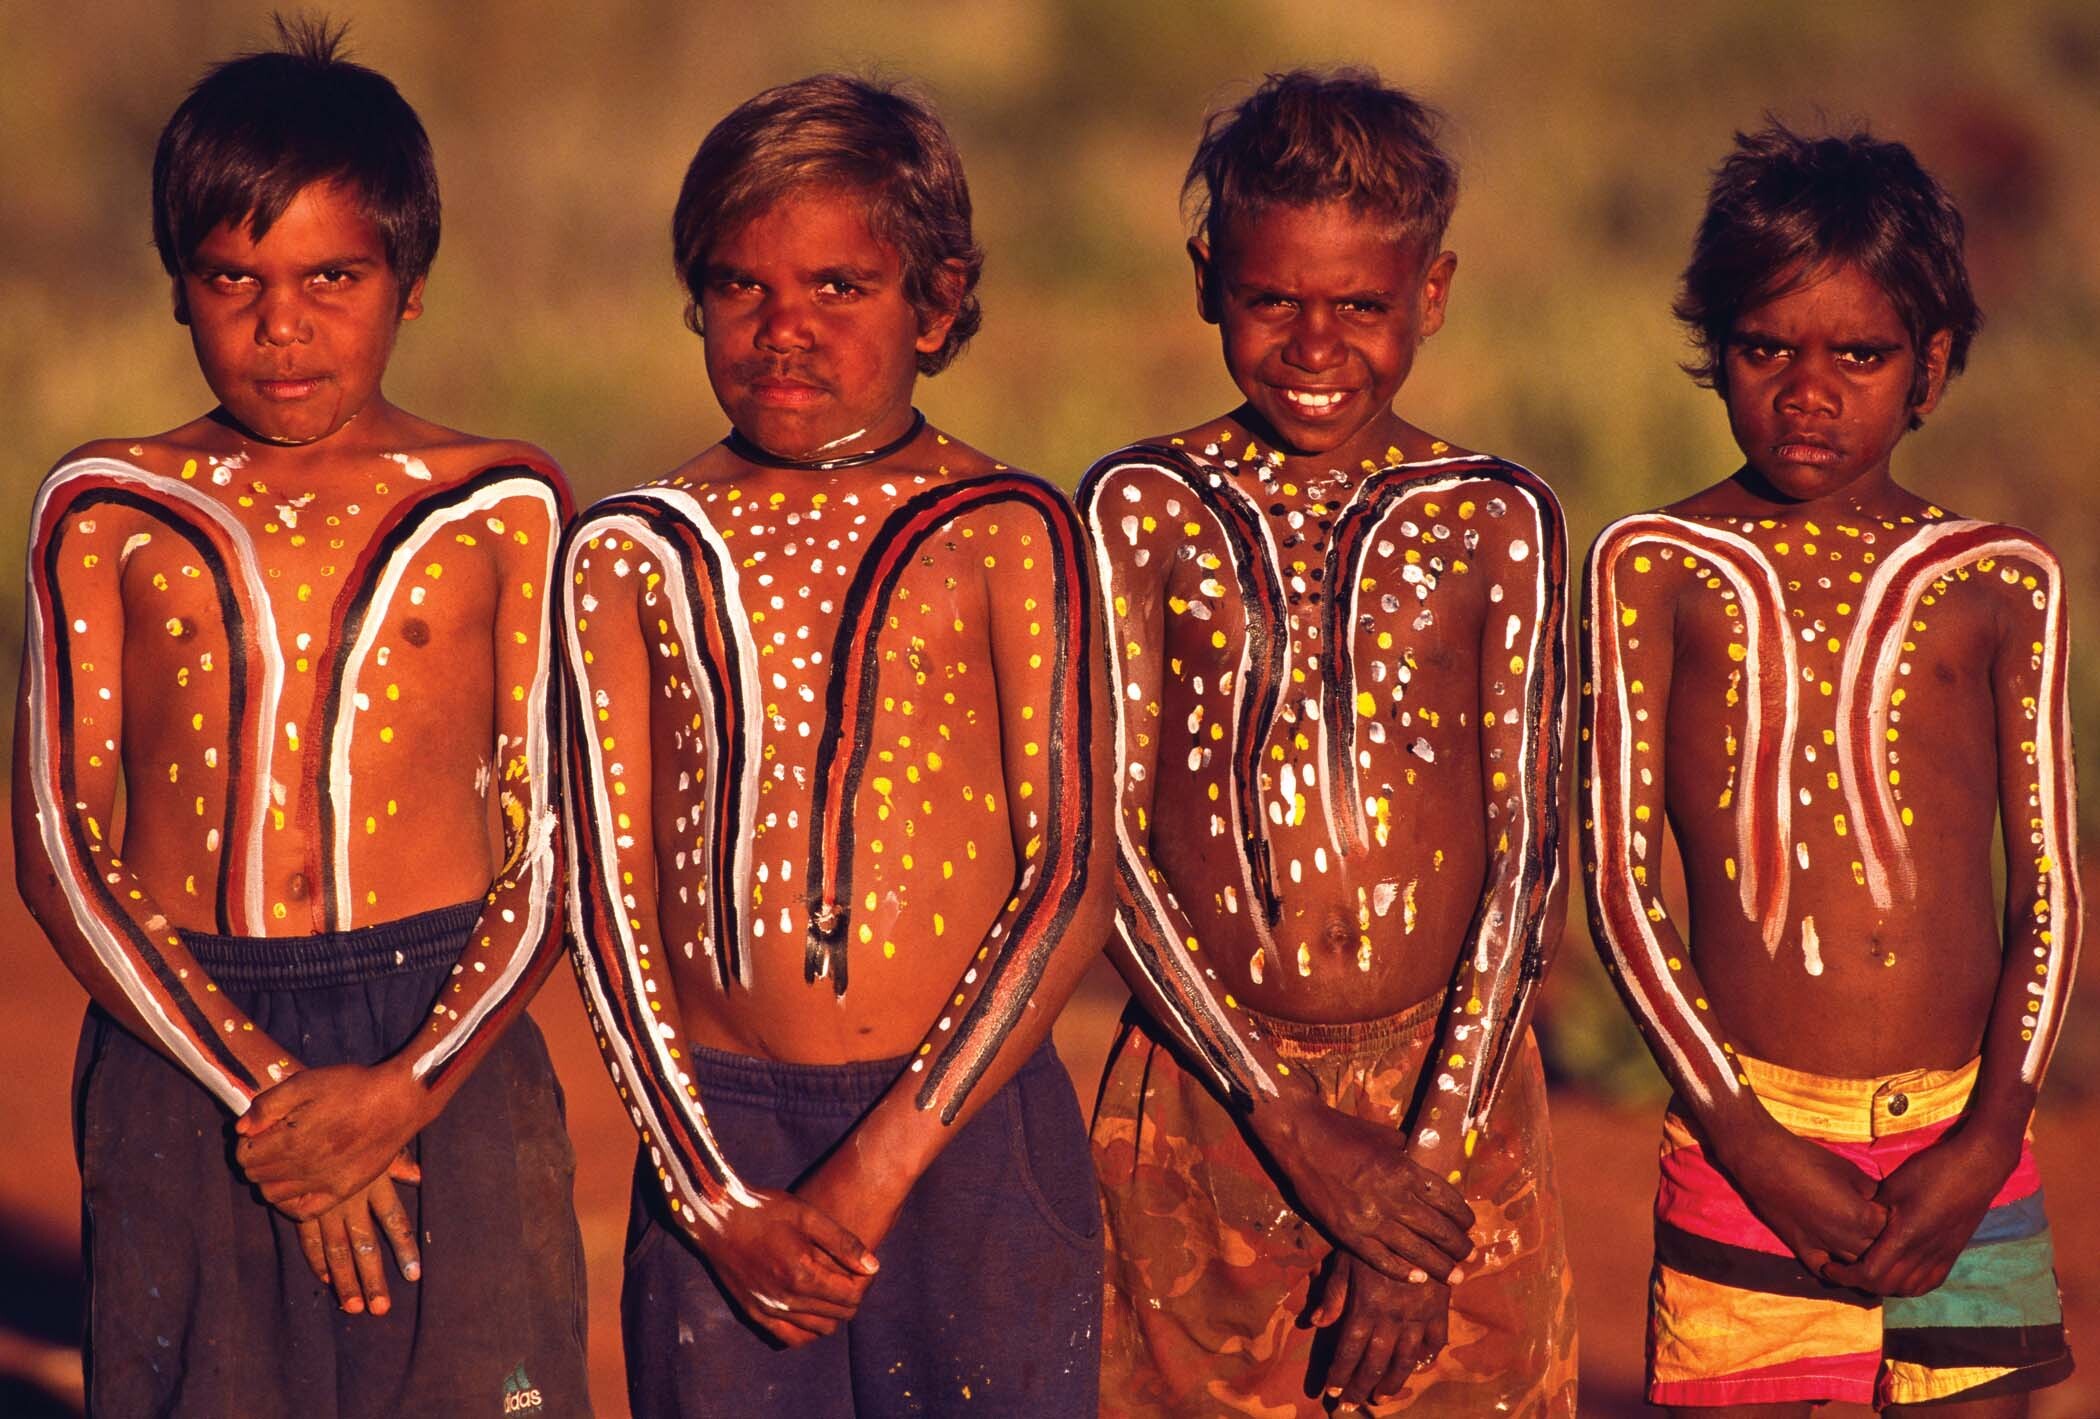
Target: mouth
point(1811, 449)
point(785, 391)
point(289, 388)
point(1313, 403)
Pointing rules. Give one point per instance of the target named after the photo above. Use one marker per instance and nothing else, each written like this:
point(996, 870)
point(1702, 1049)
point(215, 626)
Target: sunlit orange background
point(1585, 133)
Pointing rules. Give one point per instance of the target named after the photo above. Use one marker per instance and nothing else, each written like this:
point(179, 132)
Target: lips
point(1805, 448)
point(289, 387)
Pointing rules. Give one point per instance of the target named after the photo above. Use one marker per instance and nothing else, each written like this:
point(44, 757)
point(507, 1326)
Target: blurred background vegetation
point(1585, 133)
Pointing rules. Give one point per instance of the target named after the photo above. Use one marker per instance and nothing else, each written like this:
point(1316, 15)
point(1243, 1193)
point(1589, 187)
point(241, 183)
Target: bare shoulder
point(162, 453)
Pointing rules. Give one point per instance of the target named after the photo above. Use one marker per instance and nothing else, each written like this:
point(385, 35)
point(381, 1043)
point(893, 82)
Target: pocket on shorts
point(1052, 1157)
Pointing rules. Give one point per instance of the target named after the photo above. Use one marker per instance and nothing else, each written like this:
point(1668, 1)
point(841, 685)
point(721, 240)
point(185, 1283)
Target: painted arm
point(1818, 1204)
point(2038, 807)
point(1940, 1194)
point(1351, 1176)
point(69, 744)
point(1135, 544)
point(1523, 695)
point(1053, 778)
point(1627, 633)
point(637, 626)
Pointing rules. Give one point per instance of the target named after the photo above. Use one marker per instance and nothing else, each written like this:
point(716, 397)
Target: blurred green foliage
point(1585, 133)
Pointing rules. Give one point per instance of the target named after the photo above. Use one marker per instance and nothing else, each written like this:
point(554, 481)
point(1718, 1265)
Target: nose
point(1810, 386)
point(783, 323)
point(281, 319)
point(1315, 342)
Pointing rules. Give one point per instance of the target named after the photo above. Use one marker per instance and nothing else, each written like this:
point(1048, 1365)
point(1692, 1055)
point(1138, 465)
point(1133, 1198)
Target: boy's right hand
point(1820, 1205)
point(793, 1270)
point(1353, 1180)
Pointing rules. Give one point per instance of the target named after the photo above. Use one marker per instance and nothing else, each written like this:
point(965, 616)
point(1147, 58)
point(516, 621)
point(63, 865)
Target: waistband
point(1302, 1039)
point(1859, 1110)
point(336, 958)
point(723, 1076)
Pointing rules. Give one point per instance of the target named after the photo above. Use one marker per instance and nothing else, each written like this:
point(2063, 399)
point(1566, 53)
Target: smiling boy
point(1832, 688)
point(835, 685)
point(1337, 652)
point(303, 639)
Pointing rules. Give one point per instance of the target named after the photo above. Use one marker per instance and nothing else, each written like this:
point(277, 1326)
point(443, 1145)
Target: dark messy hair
point(1307, 137)
point(259, 128)
point(1785, 208)
point(841, 132)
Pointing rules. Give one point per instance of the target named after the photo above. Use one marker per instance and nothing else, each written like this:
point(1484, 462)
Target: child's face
point(1819, 384)
point(810, 339)
point(293, 332)
point(1321, 311)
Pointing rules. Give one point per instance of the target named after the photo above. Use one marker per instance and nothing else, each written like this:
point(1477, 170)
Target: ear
point(948, 290)
point(182, 306)
point(412, 300)
point(1199, 258)
point(1436, 291)
point(1934, 358)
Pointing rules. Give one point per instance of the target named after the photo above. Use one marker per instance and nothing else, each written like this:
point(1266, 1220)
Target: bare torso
point(1836, 695)
point(1383, 614)
point(836, 807)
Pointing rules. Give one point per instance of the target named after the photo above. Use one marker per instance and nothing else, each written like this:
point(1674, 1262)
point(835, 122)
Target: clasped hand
point(1898, 1237)
point(326, 1148)
point(1352, 1178)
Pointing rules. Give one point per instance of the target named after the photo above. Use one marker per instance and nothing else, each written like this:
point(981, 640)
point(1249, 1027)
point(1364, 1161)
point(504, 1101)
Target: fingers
point(265, 1111)
point(1349, 1346)
point(405, 1169)
point(1331, 1289)
point(1436, 1331)
point(364, 1255)
point(1375, 1360)
point(838, 1243)
point(342, 1263)
point(1445, 1197)
point(310, 1244)
point(1436, 1229)
point(1404, 1255)
point(399, 1231)
point(1410, 1353)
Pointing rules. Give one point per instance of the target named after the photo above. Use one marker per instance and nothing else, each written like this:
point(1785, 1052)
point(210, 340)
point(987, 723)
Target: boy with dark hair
point(1832, 687)
point(834, 685)
point(304, 638)
point(1337, 664)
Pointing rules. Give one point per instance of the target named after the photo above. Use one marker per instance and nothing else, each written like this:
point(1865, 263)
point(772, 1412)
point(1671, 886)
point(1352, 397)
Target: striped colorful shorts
point(1735, 1318)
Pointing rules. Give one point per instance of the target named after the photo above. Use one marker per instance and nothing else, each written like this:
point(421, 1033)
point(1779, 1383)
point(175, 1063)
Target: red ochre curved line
point(1018, 963)
point(1266, 652)
point(53, 754)
point(245, 811)
point(851, 693)
point(672, 1123)
point(1619, 917)
point(1377, 499)
point(1763, 805)
point(1887, 608)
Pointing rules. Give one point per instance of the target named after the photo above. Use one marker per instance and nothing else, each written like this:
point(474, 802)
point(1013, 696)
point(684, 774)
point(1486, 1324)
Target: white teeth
point(1306, 399)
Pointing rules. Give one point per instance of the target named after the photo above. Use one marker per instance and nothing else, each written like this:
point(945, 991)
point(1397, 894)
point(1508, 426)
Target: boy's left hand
point(311, 1142)
point(1935, 1199)
point(1389, 1328)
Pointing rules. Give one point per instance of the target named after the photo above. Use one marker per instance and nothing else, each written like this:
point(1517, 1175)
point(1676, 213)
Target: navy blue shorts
point(989, 1299)
point(200, 1301)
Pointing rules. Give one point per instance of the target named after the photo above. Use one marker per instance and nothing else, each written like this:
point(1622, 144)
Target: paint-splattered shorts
point(1734, 1318)
point(1209, 1270)
point(988, 1301)
point(200, 1302)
